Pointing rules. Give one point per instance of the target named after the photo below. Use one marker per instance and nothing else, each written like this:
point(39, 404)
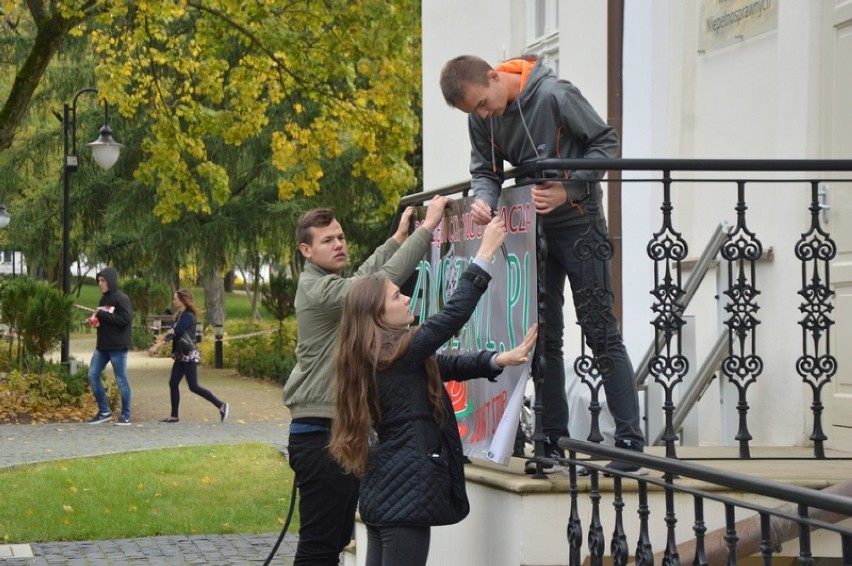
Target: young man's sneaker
point(626, 467)
point(100, 418)
point(223, 413)
point(123, 421)
point(551, 451)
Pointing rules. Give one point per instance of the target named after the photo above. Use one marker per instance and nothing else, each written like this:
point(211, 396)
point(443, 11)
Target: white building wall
point(754, 99)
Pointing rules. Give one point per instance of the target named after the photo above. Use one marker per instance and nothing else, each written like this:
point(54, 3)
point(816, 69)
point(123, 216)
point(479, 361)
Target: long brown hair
point(366, 345)
point(185, 296)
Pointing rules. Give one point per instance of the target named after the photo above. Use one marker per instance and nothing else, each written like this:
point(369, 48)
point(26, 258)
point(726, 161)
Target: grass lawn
point(218, 489)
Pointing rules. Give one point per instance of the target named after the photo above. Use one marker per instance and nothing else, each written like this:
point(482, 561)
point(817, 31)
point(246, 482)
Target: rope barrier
point(249, 335)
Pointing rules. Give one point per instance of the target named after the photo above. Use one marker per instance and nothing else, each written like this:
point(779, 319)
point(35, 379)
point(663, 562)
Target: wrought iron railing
point(741, 248)
point(805, 510)
point(736, 354)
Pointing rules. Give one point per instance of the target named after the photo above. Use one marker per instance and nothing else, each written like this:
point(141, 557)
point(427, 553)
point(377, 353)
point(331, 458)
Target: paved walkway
point(257, 415)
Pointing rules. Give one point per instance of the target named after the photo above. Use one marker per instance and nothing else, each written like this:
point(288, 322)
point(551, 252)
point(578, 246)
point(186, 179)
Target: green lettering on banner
point(486, 412)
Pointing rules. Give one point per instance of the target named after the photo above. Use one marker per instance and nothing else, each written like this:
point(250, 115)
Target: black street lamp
point(105, 151)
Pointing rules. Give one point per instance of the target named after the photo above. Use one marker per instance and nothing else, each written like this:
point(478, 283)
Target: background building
point(702, 79)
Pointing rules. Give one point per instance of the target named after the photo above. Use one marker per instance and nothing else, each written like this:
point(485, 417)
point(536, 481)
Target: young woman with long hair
point(389, 384)
point(185, 363)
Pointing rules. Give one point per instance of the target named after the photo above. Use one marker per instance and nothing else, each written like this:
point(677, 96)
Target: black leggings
point(190, 370)
point(391, 546)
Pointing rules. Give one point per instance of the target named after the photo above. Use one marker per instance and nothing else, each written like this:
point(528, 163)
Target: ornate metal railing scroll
point(816, 365)
point(667, 249)
point(593, 318)
point(742, 365)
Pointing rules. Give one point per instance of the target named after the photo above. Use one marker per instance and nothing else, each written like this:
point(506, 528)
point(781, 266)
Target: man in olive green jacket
point(328, 496)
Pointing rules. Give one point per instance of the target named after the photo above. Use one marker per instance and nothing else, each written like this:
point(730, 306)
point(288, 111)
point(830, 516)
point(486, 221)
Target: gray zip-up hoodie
point(549, 119)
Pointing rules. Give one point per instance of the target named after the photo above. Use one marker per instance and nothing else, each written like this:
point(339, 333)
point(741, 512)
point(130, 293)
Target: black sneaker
point(123, 421)
point(223, 413)
point(626, 467)
point(100, 418)
point(551, 451)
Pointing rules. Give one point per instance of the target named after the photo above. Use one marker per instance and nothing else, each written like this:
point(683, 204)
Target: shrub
point(40, 315)
point(52, 394)
point(279, 297)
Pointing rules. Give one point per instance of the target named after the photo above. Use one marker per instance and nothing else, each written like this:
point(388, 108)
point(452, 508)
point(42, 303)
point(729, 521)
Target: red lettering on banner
point(480, 424)
point(519, 219)
point(487, 417)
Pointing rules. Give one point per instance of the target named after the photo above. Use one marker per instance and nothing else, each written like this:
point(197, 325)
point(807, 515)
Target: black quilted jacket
point(415, 475)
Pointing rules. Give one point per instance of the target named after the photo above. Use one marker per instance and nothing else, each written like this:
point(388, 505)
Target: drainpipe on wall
point(615, 45)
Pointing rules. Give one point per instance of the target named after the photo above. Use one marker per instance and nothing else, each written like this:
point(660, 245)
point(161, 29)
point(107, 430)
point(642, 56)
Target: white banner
point(487, 412)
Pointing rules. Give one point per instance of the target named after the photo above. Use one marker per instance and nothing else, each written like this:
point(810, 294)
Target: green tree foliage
point(328, 77)
point(236, 117)
point(147, 296)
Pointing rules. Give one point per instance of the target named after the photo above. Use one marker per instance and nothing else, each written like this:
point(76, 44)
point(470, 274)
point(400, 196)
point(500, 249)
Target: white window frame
point(543, 40)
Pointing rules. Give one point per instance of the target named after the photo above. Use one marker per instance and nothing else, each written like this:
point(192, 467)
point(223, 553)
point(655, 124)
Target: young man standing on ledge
point(521, 112)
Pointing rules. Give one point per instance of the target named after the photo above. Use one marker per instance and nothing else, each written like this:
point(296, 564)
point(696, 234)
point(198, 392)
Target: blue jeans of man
point(584, 276)
point(328, 497)
point(118, 359)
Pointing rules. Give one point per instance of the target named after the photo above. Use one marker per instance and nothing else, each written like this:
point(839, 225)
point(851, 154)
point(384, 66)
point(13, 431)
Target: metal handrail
point(726, 478)
point(683, 165)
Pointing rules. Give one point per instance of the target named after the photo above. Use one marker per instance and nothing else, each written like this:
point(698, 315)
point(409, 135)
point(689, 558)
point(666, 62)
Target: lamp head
point(105, 149)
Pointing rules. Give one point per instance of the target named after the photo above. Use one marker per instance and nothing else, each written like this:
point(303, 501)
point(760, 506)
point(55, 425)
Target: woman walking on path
point(186, 364)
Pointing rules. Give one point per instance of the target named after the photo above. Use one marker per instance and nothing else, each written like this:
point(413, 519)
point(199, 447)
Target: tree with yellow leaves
point(318, 80)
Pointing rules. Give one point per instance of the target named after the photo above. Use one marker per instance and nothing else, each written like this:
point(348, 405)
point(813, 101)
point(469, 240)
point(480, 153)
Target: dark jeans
point(327, 500)
point(392, 546)
point(620, 385)
point(190, 370)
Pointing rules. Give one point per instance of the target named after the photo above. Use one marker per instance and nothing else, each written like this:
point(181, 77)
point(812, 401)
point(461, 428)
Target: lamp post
point(105, 151)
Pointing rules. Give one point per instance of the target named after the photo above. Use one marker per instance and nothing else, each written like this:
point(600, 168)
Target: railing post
point(816, 365)
point(671, 554)
point(644, 551)
point(742, 365)
point(668, 249)
point(594, 320)
point(575, 525)
point(618, 547)
point(539, 363)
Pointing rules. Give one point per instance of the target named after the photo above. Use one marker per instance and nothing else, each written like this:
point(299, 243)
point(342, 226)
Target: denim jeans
point(620, 383)
point(118, 359)
point(327, 500)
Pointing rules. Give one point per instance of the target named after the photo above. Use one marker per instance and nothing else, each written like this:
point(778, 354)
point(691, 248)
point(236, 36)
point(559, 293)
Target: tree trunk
point(255, 311)
point(214, 291)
